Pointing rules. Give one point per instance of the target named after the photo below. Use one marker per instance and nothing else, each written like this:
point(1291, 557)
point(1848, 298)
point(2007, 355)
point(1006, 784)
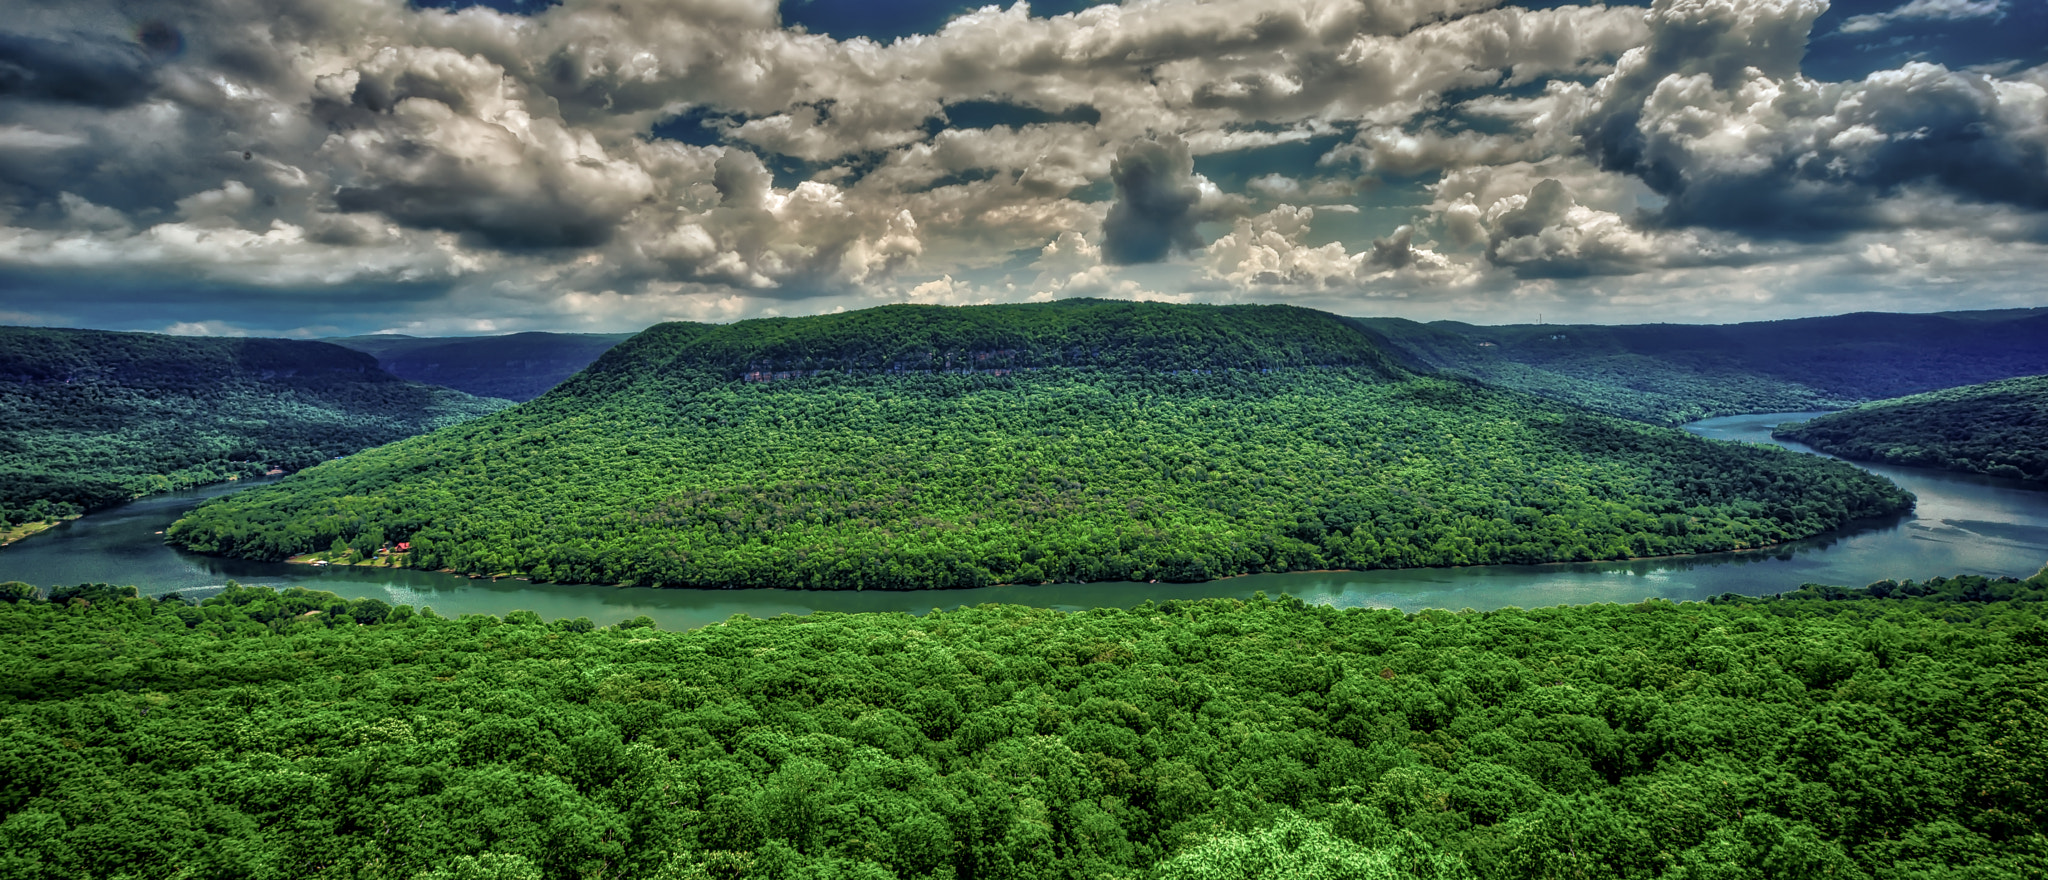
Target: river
point(1962, 525)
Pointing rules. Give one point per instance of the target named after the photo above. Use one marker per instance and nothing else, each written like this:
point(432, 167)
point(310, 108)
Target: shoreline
point(16, 533)
point(314, 560)
point(19, 532)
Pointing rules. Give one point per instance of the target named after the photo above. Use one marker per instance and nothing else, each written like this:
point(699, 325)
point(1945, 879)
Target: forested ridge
point(916, 447)
point(1674, 373)
point(1996, 428)
point(1897, 731)
point(515, 366)
point(93, 418)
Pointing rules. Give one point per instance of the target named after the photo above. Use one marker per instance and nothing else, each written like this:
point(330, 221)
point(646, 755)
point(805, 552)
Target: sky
point(449, 167)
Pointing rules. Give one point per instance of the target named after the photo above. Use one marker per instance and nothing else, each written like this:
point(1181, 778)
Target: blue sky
point(301, 168)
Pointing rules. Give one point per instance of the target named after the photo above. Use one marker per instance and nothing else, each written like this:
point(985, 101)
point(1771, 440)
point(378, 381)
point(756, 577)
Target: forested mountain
point(1825, 734)
point(90, 418)
point(1997, 428)
point(518, 366)
point(913, 447)
point(1672, 373)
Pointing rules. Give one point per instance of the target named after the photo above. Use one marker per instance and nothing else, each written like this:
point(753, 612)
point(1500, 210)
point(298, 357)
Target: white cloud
point(204, 328)
point(1925, 10)
point(1266, 253)
point(21, 137)
point(504, 165)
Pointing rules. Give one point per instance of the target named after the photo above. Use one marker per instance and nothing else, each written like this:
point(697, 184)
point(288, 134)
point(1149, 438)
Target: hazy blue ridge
point(1675, 373)
point(516, 367)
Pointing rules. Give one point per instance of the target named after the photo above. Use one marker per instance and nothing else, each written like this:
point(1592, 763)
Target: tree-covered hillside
point(1672, 373)
point(517, 366)
point(914, 447)
point(1827, 734)
point(91, 418)
point(1997, 428)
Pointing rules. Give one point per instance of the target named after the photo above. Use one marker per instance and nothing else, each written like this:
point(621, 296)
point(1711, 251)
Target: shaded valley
point(92, 418)
point(516, 367)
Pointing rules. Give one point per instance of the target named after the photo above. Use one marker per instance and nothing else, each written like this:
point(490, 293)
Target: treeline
point(925, 480)
point(1996, 428)
point(1073, 333)
point(89, 419)
point(292, 734)
point(1673, 373)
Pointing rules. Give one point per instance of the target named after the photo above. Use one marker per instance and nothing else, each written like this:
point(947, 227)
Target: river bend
point(1962, 525)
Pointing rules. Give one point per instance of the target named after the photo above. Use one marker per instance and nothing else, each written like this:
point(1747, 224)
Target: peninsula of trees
point(1996, 428)
point(91, 418)
point(914, 447)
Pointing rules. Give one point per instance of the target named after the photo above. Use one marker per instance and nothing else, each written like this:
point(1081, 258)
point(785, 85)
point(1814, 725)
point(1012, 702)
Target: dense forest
point(918, 447)
point(1997, 428)
point(516, 366)
point(1673, 373)
point(91, 418)
point(1900, 731)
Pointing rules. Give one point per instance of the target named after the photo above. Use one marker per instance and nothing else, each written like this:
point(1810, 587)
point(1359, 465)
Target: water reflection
point(1964, 524)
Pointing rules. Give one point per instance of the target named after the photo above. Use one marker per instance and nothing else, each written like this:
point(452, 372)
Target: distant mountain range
point(1674, 373)
point(911, 447)
point(518, 367)
point(90, 418)
point(1659, 373)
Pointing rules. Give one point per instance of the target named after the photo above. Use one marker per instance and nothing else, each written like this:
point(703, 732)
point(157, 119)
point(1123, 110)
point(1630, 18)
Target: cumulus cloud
point(1714, 116)
point(1548, 234)
point(520, 168)
point(1266, 252)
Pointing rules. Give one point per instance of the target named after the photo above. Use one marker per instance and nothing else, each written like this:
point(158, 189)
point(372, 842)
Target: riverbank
point(381, 560)
point(387, 560)
point(15, 533)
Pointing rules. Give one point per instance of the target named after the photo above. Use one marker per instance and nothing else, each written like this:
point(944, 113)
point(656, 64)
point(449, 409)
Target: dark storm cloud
point(501, 219)
point(77, 68)
point(140, 302)
point(1395, 251)
point(1156, 196)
